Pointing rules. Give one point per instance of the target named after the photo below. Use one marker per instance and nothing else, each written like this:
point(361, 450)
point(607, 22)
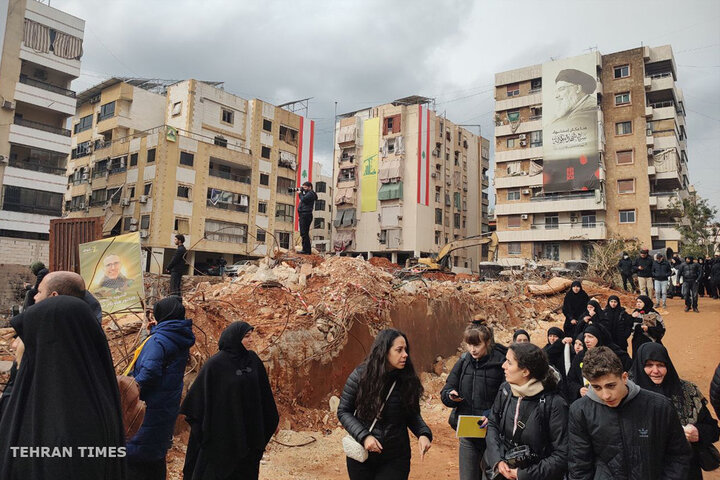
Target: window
point(131, 192)
point(513, 90)
point(513, 221)
point(265, 153)
point(319, 223)
point(456, 220)
point(513, 194)
point(98, 197)
point(187, 159)
point(346, 174)
point(267, 125)
point(552, 221)
point(623, 128)
point(264, 179)
point(536, 138)
point(262, 207)
point(106, 111)
point(535, 84)
point(150, 156)
point(127, 223)
point(391, 124)
point(626, 186)
point(133, 159)
point(288, 135)
point(222, 142)
point(26, 200)
point(148, 189)
point(284, 212)
point(260, 236)
point(283, 239)
point(227, 116)
point(227, 232)
point(227, 200)
point(145, 222)
point(588, 219)
point(83, 149)
point(183, 191)
point(85, 123)
point(510, 143)
point(284, 184)
point(182, 225)
point(514, 248)
point(621, 71)
point(622, 98)
point(320, 187)
point(320, 205)
point(438, 216)
point(551, 251)
point(627, 216)
point(624, 157)
point(176, 109)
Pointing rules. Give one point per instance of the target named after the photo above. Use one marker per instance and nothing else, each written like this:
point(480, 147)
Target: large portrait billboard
point(571, 160)
point(112, 272)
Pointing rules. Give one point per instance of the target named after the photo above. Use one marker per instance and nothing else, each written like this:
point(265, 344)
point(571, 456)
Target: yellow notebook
point(469, 427)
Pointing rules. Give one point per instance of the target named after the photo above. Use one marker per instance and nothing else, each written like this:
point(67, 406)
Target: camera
point(521, 457)
point(293, 189)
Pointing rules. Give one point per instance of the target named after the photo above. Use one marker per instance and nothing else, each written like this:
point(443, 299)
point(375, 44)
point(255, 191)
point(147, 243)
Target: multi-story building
point(321, 231)
point(588, 148)
point(407, 182)
point(41, 48)
point(190, 158)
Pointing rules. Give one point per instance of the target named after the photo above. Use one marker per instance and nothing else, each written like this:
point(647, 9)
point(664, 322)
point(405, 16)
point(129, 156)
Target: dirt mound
point(384, 263)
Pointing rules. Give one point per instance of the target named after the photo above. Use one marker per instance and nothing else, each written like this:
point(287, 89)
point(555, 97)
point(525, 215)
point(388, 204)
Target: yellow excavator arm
point(442, 260)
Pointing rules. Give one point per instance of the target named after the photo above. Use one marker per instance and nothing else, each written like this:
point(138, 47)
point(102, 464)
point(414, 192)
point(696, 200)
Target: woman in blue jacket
point(159, 372)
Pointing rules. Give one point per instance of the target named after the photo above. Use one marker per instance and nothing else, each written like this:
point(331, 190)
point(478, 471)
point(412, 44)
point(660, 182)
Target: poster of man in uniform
point(571, 160)
point(112, 271)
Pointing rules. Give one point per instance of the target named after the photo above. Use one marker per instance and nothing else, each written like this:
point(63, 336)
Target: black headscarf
point(230, 409)
point(555, 331)
point(169, 308)
point(599, 332)
point(519, 332)
point(656, 352)
point(647, 305)
point(575, 302)
point(617, 299)
point(65, 395)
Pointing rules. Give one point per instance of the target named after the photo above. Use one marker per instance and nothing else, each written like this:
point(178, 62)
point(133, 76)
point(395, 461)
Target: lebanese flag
point(423, 183)
point(306, 138)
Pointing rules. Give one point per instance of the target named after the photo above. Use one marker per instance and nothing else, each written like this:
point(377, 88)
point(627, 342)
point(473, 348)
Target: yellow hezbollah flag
point(369, 166)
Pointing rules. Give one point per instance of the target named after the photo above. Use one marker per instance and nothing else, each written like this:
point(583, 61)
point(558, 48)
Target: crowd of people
point(667, 277)
point(580, 407)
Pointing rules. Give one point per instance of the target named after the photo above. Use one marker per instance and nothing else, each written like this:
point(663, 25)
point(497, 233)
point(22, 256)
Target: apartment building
point(188, 157)
point(407, 182)
point(587, 148)
point(321, 229)
point(41, 48)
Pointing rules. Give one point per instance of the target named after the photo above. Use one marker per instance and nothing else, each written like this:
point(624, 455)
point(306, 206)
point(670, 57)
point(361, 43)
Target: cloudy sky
point(365, 52)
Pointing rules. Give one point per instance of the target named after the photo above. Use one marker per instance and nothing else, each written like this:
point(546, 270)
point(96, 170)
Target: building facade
point(41, 49)
point(321, 231)
point(189, 158)
point(407, 182)
point(588, 148)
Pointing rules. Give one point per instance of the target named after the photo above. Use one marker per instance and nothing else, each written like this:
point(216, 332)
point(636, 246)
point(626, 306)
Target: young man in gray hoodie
point(619, 431)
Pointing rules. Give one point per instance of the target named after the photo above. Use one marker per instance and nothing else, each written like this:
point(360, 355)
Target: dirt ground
point(693, 340)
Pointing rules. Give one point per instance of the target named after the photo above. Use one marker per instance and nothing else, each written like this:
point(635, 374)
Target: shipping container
point(65, 236)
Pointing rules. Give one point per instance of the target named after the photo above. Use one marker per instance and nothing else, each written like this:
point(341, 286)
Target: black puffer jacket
point(626, 266)
point(715, 271)
point(646, 264)
point(661, 271)
point(715, 391)
point(391, 429)
point(476, 381)
point(689, 271)
point(307, 201)
point(545, 432)
point(641, 439)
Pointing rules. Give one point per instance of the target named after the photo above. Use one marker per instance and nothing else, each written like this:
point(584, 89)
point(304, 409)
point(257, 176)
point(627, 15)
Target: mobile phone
point(455, 396)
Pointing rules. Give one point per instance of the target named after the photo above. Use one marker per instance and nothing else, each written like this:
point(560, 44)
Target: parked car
point(232, 270)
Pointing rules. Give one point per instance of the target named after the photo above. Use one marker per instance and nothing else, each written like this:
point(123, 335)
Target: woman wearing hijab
point(521, 336)
point(648, 324)
point(385, 386)
point(159, 371)
point(653, 370)
point(231, 411)
point(574, 304)
point(592, 314)
point(528, 411)
point(65, 395)
point(555, 349)
point(617, 321)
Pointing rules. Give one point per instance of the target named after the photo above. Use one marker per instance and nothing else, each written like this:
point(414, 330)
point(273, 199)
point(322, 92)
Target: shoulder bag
point(352, 447)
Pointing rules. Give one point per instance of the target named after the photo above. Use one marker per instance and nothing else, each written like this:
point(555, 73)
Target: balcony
point(518, 181)
point(526, 126)
point(40, 135)
point(665, 231)
point(45, 96)
point(36, 166)
point(518, 154)
point(24, 79)
point(235, 177)
point(559, 203)
point(663, 200)
point(556, 232)
point(42, 126)
point(518, 102)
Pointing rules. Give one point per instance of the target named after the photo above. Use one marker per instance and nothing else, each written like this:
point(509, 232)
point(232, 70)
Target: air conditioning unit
point(648, 133)
point(523, 216)
point(8, 105)
point(85, 176)
point(434, 175)
point(94, 99)
point(144, 234)
point(650, 152)
point(526, 191)
point(464, 189)
point(133, 228)
point(143, 198)
point(573, 219)
point(125, 202)
point(523, 143)
point(522, 136)
point(133, 221)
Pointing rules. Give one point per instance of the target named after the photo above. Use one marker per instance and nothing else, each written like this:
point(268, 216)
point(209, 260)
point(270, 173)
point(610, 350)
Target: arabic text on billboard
point(571, 160)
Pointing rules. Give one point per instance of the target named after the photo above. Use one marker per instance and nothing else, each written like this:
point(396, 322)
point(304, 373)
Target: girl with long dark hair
point(471, 388)
point(527, 433)
point(387, 366)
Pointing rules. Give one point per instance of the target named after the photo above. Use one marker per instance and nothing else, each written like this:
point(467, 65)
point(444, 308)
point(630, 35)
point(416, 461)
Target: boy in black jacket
point(619, 431)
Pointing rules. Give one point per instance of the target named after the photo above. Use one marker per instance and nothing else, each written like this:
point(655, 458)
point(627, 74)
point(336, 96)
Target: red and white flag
point(306, 138)
point(423, 183)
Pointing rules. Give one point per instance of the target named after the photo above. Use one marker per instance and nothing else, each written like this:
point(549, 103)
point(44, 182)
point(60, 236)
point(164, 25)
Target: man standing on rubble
point(305, 214)
point(177, 266)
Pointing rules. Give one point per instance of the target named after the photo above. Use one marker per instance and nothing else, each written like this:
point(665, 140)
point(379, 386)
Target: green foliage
point(696, 224)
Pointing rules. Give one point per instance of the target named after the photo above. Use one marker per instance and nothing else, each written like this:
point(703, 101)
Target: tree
point(696, 224)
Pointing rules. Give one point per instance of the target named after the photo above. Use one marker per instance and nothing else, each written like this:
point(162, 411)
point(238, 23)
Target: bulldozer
point(441, 262)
